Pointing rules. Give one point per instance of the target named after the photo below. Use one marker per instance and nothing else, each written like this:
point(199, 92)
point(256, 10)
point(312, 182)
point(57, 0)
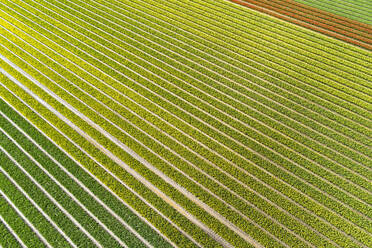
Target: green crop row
point(118, 151)
point(8, 238)
point(18, 225)
point(97, 189)
point(125, 177)
point(78, 192)
point(114, 185)
point(47, 205)
point(40, 223)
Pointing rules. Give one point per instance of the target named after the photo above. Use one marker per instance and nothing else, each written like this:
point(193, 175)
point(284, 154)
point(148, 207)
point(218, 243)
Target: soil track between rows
point(342, 28)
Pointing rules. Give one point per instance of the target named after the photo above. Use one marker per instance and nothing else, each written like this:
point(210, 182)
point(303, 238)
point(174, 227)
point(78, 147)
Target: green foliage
point(8, 237)
point(247, 117)
point(98, 190)
point(9, 214)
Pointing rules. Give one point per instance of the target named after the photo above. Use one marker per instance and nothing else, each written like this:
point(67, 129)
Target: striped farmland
point(359, 10)
point(324, 22)
point(183, 123)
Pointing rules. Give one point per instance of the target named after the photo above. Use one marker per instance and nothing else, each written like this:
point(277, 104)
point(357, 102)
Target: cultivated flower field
point(185, 123)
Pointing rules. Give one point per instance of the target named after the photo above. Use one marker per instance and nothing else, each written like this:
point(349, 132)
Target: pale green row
point(353, 9)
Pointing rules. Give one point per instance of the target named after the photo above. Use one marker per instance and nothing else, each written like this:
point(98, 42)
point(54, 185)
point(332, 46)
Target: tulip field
point(185, 123)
